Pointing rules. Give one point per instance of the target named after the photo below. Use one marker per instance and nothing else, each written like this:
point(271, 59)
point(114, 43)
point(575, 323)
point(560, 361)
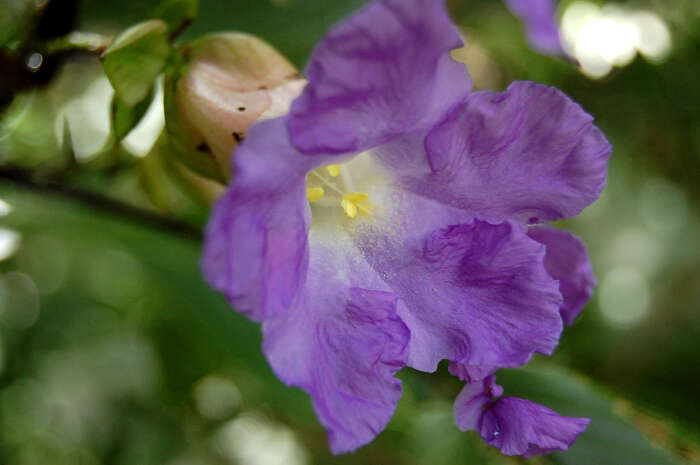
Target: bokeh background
point(114, 351)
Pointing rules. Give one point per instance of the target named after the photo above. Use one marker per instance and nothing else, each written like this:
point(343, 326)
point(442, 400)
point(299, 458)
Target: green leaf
point(135, 59)
point(609, 439)
point(125, 118)
point(178, 14)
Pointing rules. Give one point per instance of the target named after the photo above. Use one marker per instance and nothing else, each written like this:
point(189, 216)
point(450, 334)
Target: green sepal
point(135, 58)
point(125, 118)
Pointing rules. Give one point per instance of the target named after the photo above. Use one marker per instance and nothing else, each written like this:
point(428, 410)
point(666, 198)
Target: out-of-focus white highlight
point(9, 243)
point(654, 37)
point(600, 38)
point(252, 439)
point(88, 119)
point(5, 208)
point(624, 296)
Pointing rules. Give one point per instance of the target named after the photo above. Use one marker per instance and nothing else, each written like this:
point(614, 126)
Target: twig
point(133, 213)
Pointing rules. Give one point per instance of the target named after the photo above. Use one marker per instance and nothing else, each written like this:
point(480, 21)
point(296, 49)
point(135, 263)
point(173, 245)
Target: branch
point(24, 178)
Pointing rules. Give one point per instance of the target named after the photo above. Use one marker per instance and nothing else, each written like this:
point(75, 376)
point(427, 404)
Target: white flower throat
point(333, 186)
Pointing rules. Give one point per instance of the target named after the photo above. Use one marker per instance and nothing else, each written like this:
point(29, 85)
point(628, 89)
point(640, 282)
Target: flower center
point(332, 186)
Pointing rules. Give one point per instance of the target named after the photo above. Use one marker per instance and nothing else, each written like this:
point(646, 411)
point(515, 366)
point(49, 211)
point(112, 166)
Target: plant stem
point(24, 178)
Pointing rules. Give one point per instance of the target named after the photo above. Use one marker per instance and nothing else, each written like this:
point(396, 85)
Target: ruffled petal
point(529, 153)
point(472, 292)
point(255, 248)
point(515, 426)
point(540, 21)
point(566, 261)
point(342, 343)
point(380, 74)
point(520, 427)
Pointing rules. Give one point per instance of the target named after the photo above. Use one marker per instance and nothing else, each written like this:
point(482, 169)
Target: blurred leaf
point(135, 59)
point(178, 14)
point(125, 117)
point(609, 439)
point(14, 20)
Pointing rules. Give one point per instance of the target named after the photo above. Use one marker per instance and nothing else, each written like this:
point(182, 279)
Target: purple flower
point(383, 223)
point(539, 19)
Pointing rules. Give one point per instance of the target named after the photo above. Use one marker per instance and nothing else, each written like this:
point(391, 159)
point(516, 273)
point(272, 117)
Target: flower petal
point(471, 373)
point(382, 73)
point(474, 293)
point(520, 427)
point(471, 402)
point(342, 342)
point(255, 248)
point(540, 21)
point(566, 261)
point(515, 426)
point(529, 153)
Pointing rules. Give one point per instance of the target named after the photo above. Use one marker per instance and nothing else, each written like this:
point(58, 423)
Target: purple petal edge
point(540, 21)
point(566, 261)
point(383, 72)
point(513, 425)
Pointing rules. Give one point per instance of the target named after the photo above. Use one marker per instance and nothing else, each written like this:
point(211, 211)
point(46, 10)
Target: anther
point(315, 193)
point(333, 170)
point(349, 207)
point(352, 201)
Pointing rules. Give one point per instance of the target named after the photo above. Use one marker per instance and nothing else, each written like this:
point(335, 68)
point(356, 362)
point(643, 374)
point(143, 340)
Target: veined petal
point(529, 153)
point(383, 72)
point(540, 21)
point(515, 426)
point(566, 261)
point(255, 249)
point(342, 342)
point(520, 427)
point(471, 292)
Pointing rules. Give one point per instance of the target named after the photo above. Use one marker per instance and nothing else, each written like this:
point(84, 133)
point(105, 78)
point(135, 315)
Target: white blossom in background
point(603, 37)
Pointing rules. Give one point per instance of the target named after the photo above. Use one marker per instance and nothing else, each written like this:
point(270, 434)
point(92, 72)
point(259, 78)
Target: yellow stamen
point(349, 207)
point(352, 201)
point(356, 197)
point(333, 170)
point(315, 193)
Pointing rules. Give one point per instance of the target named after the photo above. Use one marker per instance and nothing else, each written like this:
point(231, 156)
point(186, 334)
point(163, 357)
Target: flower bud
point(224, 84)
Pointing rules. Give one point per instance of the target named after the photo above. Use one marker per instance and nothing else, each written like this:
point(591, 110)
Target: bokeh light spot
point(9, 243)
point(5, 208)
point(663, 207)
point(216, 397)
point(252, 439)
point(601, 38)
point(116, 278)
point(46, 260)
point(624, 297)
point(654, 36)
